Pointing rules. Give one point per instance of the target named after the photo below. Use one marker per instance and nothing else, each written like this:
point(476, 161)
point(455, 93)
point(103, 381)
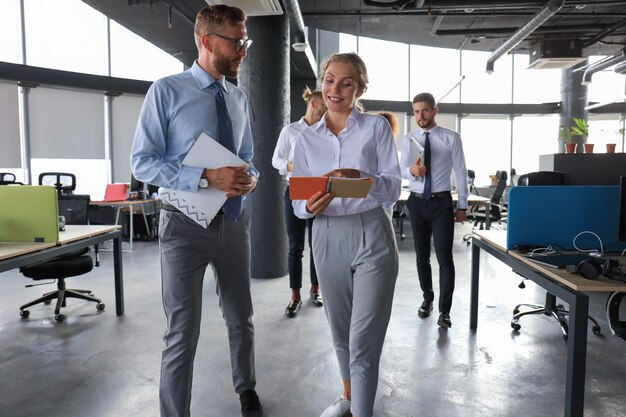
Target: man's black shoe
point(444, 321)
point(425, 309)
point(250, 405)
point(293, 308)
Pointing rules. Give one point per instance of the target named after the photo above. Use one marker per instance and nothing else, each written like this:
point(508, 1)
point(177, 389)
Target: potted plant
point(581, 128)
point(566, 137)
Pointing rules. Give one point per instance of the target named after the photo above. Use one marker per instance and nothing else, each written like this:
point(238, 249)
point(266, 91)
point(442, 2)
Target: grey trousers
point(186, 250)
point(357, 265)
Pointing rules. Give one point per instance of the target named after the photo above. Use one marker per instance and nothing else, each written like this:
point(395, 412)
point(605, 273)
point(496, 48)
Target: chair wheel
point(100, 306)
point(24, 314)
point(596, 329)
point(47, 302)
point(516, 326)
point(59, 318)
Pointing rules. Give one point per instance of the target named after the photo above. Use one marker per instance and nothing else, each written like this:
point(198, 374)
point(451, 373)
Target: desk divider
point(29, 214)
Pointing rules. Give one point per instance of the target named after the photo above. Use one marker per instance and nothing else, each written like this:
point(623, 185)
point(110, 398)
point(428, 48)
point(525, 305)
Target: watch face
point(204, 183)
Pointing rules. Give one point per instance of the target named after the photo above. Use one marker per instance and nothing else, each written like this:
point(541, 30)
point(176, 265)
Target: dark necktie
point(427, 179)
point(232, 206)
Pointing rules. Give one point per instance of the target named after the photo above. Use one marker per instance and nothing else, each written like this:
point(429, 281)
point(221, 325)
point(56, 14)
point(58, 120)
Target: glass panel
point(480, 87)
point(134, 57)
point(10, 31)
point(606, 85)
point(604, 129)
point(535, 85)
point(385, 82)
point(487, 146)
point(347, 43)
point(533, 136)
point(436, 71)
point(66, 35)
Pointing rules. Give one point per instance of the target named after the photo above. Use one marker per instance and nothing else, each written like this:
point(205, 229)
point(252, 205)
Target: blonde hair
point(358, 65)
point(392, 119)
point(211, 18)
point(309, 94)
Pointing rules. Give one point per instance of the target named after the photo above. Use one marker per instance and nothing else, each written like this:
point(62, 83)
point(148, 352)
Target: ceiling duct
point(551, 54)
point(529, 27)
point(253, 7)
point(602, 64)
point(620, 68)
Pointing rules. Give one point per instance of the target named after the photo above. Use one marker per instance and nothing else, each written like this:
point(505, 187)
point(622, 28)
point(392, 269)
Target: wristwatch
point(204, 183)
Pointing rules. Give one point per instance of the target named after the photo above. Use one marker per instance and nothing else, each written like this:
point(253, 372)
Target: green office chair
point(550, 307)
point(74, 207)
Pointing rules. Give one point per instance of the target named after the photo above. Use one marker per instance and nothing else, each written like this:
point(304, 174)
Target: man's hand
point(416, 169)
point(318, 202)
point(289, 166)
point(233, 180)
point(344, 173)
point(460, 215)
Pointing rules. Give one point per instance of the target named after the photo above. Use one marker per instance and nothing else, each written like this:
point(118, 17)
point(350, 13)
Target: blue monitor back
point(547, 215)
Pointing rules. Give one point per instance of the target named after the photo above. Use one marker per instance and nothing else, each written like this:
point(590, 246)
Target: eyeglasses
point(239, 44)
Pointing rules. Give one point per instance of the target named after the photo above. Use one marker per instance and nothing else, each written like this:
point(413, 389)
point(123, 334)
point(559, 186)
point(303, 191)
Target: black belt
point(169, 207)
point(440, 194)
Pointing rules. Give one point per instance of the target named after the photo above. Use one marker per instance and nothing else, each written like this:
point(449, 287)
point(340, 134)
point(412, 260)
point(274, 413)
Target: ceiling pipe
point(620, 68)
point(602, 64)
point(529, 27)
point(297, 28)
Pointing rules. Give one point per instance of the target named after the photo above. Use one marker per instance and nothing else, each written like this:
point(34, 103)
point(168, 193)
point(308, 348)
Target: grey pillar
point(264, 78)
point(573, 100)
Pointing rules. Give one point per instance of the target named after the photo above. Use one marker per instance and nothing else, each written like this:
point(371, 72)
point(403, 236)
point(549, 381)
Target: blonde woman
point(354, 245)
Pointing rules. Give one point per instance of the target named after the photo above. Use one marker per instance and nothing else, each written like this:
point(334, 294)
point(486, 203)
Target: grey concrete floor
point(97, 364)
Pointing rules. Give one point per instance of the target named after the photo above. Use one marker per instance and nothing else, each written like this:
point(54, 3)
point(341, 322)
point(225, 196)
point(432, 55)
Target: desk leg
point(119, 277)
point(576, 356)
point(474, 286)
point(487, 216)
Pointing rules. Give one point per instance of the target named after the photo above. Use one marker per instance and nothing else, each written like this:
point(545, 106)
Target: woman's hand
point(344, 173)
point(318, 202)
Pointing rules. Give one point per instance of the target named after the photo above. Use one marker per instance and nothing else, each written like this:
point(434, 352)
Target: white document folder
point(416, 150)
point(202, 205)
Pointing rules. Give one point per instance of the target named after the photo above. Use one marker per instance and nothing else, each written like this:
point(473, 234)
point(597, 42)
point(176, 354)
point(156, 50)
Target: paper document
point(302, 188)
point(415, 151)
point(201, 206)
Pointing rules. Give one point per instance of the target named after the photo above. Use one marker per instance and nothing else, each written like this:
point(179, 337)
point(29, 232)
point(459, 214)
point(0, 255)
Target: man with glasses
point(176, 110)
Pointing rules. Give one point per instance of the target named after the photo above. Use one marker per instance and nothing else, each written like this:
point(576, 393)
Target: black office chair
point(8, 178)
point(74, 207)
point(497, 211)
point(550, 307)
point(471, 177)
point(64, 182)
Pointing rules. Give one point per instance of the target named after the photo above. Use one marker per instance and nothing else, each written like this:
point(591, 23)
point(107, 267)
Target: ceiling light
point(300, 46)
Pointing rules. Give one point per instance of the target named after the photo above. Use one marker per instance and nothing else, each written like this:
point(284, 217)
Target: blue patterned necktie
point(427, 179)
point(232, 206)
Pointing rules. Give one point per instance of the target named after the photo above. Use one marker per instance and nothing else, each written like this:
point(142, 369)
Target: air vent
point(555, 54)
point(253, 7)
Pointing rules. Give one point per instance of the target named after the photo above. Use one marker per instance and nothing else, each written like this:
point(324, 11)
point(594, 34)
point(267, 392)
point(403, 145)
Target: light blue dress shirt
point(176, 110)
point(446, 152)
point(366, 144)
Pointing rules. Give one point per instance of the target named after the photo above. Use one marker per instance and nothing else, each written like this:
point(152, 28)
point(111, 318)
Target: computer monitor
point(621, 225)
point(137, 189)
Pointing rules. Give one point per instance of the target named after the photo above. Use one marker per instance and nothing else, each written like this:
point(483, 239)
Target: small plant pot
point(610, 148)
point(570, 147)
point(588, 147)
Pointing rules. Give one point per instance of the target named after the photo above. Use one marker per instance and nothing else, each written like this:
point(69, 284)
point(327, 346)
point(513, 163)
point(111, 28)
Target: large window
point(436, 71)
point(481, 87)
point(487, 146)
point(10, 31)
point(65, 34)
point(387, 67)
point(534, 85)
point(533, 136)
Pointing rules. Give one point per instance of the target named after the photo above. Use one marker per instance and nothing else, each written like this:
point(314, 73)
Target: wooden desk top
point(122, 203)
point(71, 234)
point(497, 238)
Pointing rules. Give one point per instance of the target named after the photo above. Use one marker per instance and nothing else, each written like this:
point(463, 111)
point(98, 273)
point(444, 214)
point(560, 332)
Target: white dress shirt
point(285, 147)
point(446, 152)
point(366, 144)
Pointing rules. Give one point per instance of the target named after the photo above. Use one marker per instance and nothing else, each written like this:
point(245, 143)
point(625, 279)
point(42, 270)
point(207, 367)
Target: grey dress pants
point(186, 251)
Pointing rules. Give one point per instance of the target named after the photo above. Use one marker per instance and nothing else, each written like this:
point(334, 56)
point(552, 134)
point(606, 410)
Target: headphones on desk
point(589, 268)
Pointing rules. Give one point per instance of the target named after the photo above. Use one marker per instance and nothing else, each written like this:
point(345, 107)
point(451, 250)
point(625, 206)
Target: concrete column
point(264, 77)
point(573, 100)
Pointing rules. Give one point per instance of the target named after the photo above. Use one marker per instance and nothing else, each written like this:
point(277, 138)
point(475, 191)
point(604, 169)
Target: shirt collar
point(203, 78)
point(355, 116)
point(433, 130)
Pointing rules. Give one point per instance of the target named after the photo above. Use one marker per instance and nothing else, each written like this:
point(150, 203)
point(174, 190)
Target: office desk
point(130, 205)
point(472, 199)
point(18, 254)
point(569, 287)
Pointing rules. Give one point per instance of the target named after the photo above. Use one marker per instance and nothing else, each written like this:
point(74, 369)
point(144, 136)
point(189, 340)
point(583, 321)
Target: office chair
point(497, 212)
point(471, 187)
point(8, 178)
point(74, 207)
point(64, 182)
point(550, 307)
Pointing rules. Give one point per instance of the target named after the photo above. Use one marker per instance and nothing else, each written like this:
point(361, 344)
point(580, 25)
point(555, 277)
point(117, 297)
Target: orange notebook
point(301, 188)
